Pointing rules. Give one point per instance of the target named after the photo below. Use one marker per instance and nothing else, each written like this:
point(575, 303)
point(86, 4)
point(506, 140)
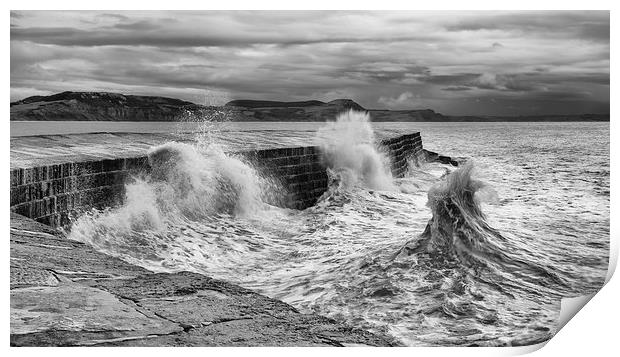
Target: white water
point(187, 184)
point(529, 243)
point(349, 148)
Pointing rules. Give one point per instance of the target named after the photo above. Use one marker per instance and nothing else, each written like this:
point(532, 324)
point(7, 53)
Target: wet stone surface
point(63, 293)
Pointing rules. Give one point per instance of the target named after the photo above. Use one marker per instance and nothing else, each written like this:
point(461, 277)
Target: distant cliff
point(313, 110)
point(104, 106)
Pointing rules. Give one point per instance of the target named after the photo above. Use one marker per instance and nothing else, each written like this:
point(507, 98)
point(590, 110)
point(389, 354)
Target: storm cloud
point(461, 63)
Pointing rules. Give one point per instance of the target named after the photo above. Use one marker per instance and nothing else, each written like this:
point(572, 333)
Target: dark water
point(475, 256)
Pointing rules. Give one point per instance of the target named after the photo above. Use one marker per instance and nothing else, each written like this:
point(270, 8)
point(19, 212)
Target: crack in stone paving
point(219, 321)
point(136, 302)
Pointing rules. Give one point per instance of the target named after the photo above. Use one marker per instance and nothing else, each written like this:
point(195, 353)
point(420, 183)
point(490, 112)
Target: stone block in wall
point(248, 156)
point(291, 170)
point(270, 153)
point(27, 176)
point(101, 197)
point(43, 207)
point(136, 163)
point(298, 151)
point(52, 220)
point(19, 194)
point(23, 209)
point(87, 168)
point(16, 177)
point(54, 172)
point(112, 165)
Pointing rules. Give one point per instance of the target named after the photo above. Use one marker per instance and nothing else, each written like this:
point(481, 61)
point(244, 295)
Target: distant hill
point(312, 110)
point(105, 106)
point(428, 115)
point(247, 103)
point(102, 106)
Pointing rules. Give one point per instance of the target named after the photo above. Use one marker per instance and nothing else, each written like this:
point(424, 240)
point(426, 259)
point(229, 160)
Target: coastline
point(64, 293)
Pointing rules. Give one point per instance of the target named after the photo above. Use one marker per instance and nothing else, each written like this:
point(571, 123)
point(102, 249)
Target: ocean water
point(479, 255)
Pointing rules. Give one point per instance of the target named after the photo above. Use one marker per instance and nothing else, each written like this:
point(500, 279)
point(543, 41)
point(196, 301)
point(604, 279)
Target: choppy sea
point(475, 255)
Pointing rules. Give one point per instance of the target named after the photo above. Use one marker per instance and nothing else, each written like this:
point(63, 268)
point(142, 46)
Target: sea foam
point(349, 149)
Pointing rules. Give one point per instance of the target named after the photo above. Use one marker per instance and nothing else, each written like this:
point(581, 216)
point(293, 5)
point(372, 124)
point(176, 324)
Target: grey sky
point(471, 63)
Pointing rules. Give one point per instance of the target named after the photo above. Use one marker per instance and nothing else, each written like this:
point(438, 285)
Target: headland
point(105, 106)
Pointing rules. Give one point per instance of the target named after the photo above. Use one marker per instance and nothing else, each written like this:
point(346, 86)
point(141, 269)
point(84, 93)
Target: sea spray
point(184, 186)
point(348, 148)
point(336, 260)
point(139, 212)
point(199, 184)
point(459, 232)
point(458, 226)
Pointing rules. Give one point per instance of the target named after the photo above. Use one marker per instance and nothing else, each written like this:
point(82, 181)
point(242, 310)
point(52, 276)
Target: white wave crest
point(184, 185)
point(348, 147)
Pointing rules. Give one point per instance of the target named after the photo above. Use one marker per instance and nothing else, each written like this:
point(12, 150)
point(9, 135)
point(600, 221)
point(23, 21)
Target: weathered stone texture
point(404, 150)
point(51, 194)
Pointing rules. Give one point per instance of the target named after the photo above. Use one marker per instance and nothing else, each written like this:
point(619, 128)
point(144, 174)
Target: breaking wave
point(185, 185)
point(459, 232)
point(197, 185)
point(349, 150)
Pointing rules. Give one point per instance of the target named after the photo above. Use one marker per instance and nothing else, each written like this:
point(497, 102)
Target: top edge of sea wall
point(54, 178)
point(44, 150)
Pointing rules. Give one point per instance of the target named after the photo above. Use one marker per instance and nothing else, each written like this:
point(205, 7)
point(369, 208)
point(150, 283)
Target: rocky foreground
point(64, 293)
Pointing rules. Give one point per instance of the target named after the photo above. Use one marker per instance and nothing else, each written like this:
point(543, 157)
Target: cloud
point(386, 71)
point(448, 59)
point(444, 79)
point(145, 33)
point(118, 17)
point(18, 93)
point(456, 88)
point(214, 28)
point(404, 100)
point(493, 81)
point(333, 94)
point(588, 25)
point(534, 81)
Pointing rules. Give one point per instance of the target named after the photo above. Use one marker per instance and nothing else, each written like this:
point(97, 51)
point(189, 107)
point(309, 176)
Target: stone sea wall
point(54, 193)
point(299, 170)
point(401, 150)
point(49, 194)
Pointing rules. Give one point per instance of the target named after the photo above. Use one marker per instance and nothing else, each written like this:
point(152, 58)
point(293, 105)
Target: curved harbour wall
point(53, 193)
point(114, 303)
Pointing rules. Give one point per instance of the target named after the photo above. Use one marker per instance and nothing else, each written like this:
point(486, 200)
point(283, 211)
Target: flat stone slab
point(64, 293)
point(40, 255)
point(217, 313)
point(75, 307)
